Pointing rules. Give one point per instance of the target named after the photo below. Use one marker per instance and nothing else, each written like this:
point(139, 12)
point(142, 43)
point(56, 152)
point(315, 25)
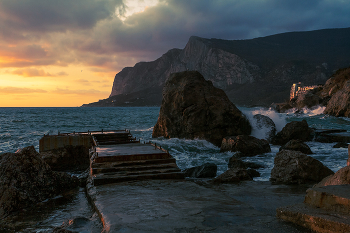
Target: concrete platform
point(316, 219)
point(125, 152)
point(184, 206)
point(333, 197)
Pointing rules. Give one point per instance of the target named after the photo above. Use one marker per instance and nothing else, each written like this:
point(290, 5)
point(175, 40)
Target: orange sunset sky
point(66, 53)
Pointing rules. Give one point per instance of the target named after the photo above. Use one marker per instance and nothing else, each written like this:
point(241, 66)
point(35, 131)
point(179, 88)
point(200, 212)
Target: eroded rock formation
point(193, 108)
point(248, 145)
point(296, 145)
point(25, 179)
point(295, 167)
point(68, 157)
point(293, 130)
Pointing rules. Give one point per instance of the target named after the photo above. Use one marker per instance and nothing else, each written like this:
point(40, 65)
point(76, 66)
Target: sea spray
point(263, 132)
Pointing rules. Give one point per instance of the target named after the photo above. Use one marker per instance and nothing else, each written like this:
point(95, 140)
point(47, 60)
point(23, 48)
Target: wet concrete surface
point(187, 206)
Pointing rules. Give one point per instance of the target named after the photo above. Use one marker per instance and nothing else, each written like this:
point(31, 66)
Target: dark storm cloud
point(89, 31)
point(46, 16)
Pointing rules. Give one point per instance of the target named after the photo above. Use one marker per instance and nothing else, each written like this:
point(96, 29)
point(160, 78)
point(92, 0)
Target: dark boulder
point(233, 175)
point(207, 170)
point(25, 179)
point(67, 158)
point(293, 130)
point(248, 145)
point(235, 162)
point(193, 108)
point(265, 124)
point(296, 145)
point(294, 167)
point(341, 145)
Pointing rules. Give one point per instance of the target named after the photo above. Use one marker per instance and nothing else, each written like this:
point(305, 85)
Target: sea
point(21, 127)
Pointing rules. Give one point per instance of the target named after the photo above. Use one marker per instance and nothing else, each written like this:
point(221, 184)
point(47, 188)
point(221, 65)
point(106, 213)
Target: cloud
point(100, 34)
point(19, 90)
point(32, 72)
point(79, 92)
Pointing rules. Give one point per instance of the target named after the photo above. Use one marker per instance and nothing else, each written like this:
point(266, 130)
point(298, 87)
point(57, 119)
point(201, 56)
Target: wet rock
point(265, 123)
point(309, 99)
point(193, 108)
point(207, 170)
point(25, 179)
point(233, 175)
point(62, 230)
point(248, 145)
point(281, 107)
point(67, 158)
point(253, 173)
point(296, 145)
point(341, 177)
point(295, 167)
point(293, 130)
point(341, 145)
point(235, 162)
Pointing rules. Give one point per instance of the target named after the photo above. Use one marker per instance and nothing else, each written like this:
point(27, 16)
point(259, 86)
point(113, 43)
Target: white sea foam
point(262, 133)
point(317, 110)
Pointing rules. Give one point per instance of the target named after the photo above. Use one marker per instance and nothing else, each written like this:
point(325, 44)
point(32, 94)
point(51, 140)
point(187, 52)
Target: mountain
point(257, 71)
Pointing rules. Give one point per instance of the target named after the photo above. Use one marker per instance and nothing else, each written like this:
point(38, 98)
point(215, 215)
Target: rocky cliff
point(252, 72)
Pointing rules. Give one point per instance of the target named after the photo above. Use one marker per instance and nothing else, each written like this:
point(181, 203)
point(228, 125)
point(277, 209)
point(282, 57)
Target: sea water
point(21, 127)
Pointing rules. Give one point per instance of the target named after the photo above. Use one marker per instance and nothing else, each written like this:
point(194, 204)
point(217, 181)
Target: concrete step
point(143, 167)
point(132, 163)
point(316, 219)
point(132, 157)
point(332, 197)
point(102, 179)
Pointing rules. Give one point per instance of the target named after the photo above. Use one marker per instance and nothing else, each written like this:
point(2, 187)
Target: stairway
point(127, 160)
point(325, 209)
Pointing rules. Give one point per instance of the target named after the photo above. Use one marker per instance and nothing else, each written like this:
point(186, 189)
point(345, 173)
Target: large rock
point(207, 170)
point(293, 130)
point(248, 145)
point(233, 175)
point(296, 145)
point(294, 167)
point(265, 124)
point(67, 158)
point(193, 108)
point(341, 177)
point(25, 179)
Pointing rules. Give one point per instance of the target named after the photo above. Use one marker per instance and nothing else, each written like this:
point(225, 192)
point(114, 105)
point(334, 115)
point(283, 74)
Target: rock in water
point(293, 130)
point(67, 158)
point(193, 108)
point(294, 167)
point(207, 170)
point(296, 145)
point(265, 124)
point(248, 145)
point(25, 179)
point(233, 175)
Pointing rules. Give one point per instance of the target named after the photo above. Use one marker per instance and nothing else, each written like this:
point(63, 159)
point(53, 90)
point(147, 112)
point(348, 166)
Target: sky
point(66, 53)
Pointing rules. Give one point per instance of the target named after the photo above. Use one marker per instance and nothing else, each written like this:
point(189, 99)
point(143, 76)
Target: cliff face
point(251, 72)
point(221, 67)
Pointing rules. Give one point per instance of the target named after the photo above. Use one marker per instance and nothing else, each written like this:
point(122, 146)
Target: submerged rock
point(235, 162)
point(294, 167)
point(266, 124)
point(341, 145)
point(25, 179)
point(293, 130)
point(207, 170)
point(296, 145)
point(248, 145)
point(193, 108)
point(233, 175)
